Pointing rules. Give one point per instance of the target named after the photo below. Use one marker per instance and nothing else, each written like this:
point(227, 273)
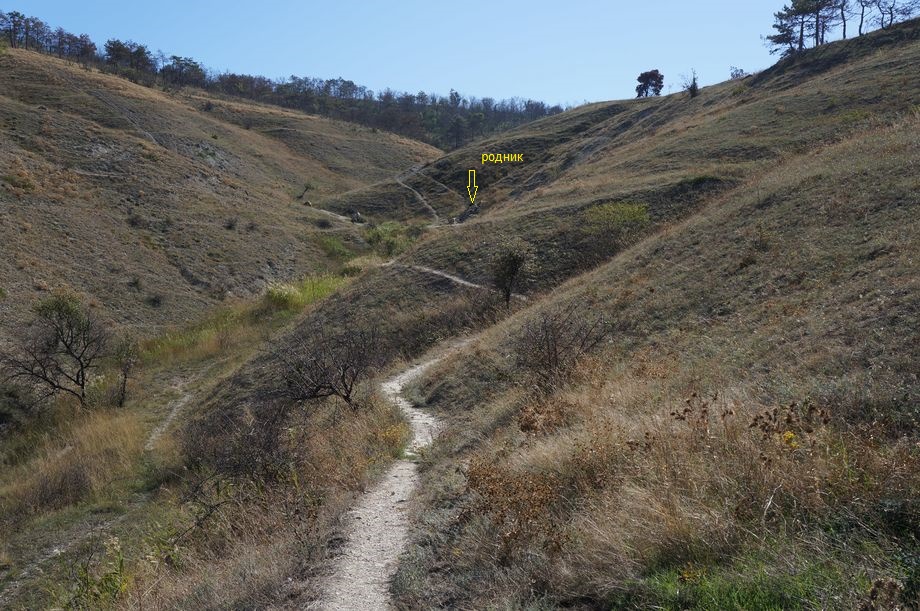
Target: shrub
point(333, 247)
point(16, 403)
point(692, 85)
point(281, 297)
point(322, 365)
point(617, 218)
point(389, 239)
point(20, 181)
point(737, 73)
point(554, 342)
point(294, 297)
point(510, 265)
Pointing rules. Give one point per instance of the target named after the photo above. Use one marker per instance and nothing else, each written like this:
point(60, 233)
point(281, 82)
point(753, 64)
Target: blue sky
point(560, 52)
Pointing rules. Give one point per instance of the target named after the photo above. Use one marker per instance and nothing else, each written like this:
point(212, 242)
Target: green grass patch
point(764, 579)
point(2, 293)
point(391, 238)
point(616, 217)
point(295, 297)
point(333, 247)
point(239, 323)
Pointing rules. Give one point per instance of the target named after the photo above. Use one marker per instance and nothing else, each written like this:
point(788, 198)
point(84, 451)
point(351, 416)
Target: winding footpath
point(378, 526)
point(422, 200)
point(451, 277)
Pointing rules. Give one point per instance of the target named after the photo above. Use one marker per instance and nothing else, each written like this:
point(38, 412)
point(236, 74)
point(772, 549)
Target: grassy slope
point(126, 194)
point(734, 152)
point(798, 284)
point(159, 204)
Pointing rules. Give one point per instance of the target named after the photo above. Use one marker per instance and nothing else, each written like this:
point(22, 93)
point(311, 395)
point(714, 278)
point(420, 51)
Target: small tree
point(510, 266)
point(737, 73)
point(65, 344)
point(126, 356)
point(692, 85)
point(650, 83)
point(323, 365)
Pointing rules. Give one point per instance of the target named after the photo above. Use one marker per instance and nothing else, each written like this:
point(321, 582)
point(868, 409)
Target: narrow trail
point(378, 526)
point(451, 277)
point(331, 213)
point(421, 198)
point(82, 532)
point(174, 408)
point(127, 115)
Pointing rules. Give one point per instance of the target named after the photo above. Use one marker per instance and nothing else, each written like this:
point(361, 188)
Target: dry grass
point(74, 464)
point(253, 552)
point(137, 187)
point(747, 440)
point(639, 482)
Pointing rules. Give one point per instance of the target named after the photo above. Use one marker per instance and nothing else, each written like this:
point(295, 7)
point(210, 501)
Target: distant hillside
point(153, 205)
point(671, 154)
point(445, 121)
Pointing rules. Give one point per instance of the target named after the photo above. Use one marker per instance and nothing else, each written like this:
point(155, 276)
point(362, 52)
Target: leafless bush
point(323, 365)
point(551, 344)
point(126, 355)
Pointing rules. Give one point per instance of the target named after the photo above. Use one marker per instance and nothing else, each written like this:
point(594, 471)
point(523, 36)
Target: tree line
point(445, 121)
point(803, 24)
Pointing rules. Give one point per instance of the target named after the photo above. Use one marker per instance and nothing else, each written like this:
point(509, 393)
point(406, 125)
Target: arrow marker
point(471, 187)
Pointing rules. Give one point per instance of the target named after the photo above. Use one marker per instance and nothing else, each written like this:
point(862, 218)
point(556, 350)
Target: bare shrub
point(552, 344)
point(324, 365)
point(126, 355)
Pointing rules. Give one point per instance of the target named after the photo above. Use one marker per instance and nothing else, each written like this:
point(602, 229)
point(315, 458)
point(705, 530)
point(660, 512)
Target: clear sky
point(567, 51)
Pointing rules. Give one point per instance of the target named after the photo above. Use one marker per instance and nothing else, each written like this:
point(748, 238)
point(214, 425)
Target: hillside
point(161, 204)
point(746, 435)
point(774, 269)
point(702, 394)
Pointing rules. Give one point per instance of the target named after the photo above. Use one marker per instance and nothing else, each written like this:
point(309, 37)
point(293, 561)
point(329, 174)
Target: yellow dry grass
point(76, 463)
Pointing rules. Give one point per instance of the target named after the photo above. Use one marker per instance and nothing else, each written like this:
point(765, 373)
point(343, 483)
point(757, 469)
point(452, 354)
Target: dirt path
point(421, 198)
point(84, 531)
point(378, 526)
point(175, 406)
point(451, 277)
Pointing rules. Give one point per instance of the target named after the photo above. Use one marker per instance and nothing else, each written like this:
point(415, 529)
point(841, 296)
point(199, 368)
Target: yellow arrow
point(471, 187)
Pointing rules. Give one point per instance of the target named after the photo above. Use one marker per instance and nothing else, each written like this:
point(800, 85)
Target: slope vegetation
point(746, 435)
point(743, 434)
point(158, 204)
